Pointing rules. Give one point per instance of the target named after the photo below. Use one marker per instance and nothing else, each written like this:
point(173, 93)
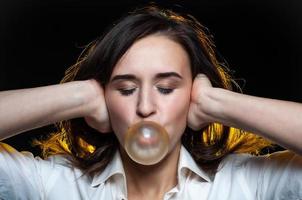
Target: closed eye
point(127, 92)
point(165, 90)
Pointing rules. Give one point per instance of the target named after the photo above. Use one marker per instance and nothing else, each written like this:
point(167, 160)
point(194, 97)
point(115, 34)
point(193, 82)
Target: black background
point(261, 41)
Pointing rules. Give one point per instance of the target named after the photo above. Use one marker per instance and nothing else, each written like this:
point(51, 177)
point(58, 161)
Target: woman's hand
point(54, 103)
point(198, 115)
point(276, 120)
point(97, 116)
point(49, 104)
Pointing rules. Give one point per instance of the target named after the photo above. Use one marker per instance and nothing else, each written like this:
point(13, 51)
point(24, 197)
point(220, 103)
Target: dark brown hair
point(92, 151)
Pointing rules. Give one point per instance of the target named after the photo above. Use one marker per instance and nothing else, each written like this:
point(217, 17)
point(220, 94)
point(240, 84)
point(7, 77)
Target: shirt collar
point(115, 167)
point(186, 162)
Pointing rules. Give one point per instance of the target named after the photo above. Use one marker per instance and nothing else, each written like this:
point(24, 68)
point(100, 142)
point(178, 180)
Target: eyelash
point(127, 92)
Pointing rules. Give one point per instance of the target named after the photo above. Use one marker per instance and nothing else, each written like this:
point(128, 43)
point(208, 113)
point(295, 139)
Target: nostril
point(145, 104)
point(142, 114)
point(145, 113)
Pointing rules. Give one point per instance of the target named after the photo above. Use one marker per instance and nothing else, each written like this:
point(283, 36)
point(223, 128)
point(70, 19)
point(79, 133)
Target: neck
point(151, 182)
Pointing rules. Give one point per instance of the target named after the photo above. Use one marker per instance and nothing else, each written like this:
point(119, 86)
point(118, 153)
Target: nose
point(145, 104)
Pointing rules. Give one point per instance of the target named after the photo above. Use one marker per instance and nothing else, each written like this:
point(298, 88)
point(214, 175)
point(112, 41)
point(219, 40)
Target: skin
point(164, 100)
point(198, 103)
point(147, 96)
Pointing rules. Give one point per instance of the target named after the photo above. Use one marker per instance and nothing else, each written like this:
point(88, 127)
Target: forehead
point(154, 54)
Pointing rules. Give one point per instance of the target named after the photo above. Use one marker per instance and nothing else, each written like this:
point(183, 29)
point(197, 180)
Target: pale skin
point(150, 98)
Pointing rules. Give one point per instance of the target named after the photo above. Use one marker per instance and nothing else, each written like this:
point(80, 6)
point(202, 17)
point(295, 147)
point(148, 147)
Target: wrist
point(85, 94)
point(217, 104)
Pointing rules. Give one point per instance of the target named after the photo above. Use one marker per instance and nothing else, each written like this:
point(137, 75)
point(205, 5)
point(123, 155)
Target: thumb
point(203, 80)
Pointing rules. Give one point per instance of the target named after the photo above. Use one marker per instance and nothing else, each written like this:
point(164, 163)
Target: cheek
point(177, 111)
point(119, 114)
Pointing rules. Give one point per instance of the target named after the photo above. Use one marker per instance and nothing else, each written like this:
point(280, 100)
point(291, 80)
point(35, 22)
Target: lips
point(148, 140)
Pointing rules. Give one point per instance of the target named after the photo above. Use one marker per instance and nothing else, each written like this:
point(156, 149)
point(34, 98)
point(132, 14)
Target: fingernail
point(200, 75)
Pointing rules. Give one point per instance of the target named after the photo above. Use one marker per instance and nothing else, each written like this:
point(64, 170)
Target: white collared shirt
point(239, 176)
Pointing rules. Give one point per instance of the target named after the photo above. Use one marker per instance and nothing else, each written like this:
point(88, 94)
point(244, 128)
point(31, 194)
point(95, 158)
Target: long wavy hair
point(91, 151)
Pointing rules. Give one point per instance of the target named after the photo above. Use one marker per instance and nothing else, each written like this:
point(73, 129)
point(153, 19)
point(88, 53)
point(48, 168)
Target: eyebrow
point(132, 77)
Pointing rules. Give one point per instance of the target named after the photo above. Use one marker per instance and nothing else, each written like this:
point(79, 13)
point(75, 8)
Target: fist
point(98, 117)
point(197, 115)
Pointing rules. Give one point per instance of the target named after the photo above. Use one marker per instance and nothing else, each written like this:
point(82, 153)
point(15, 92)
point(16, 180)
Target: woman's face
point(152, 81)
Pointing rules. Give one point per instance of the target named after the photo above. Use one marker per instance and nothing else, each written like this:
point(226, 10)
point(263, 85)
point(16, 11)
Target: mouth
point(147, 139)
point(146, 142)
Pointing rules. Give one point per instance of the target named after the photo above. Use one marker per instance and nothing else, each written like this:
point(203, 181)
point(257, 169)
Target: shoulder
point(39, 177)
point(266, 166)
point(14, 162)
point(270, 176)
point(281, 159)
point(9, 153)
point(24, 164)
point(23, 176)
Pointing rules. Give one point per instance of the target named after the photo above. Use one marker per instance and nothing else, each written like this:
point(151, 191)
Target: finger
point(200, 83)
point(195, 121)
point(203, 80)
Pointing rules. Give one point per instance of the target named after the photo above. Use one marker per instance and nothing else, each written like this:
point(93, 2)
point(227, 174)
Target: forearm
point(279, 121)
point(26, 109)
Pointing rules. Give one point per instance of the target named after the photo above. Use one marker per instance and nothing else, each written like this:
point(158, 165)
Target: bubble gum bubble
point(146, 142)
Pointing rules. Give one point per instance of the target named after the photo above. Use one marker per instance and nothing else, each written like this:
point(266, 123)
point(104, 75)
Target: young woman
point(153, 65)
